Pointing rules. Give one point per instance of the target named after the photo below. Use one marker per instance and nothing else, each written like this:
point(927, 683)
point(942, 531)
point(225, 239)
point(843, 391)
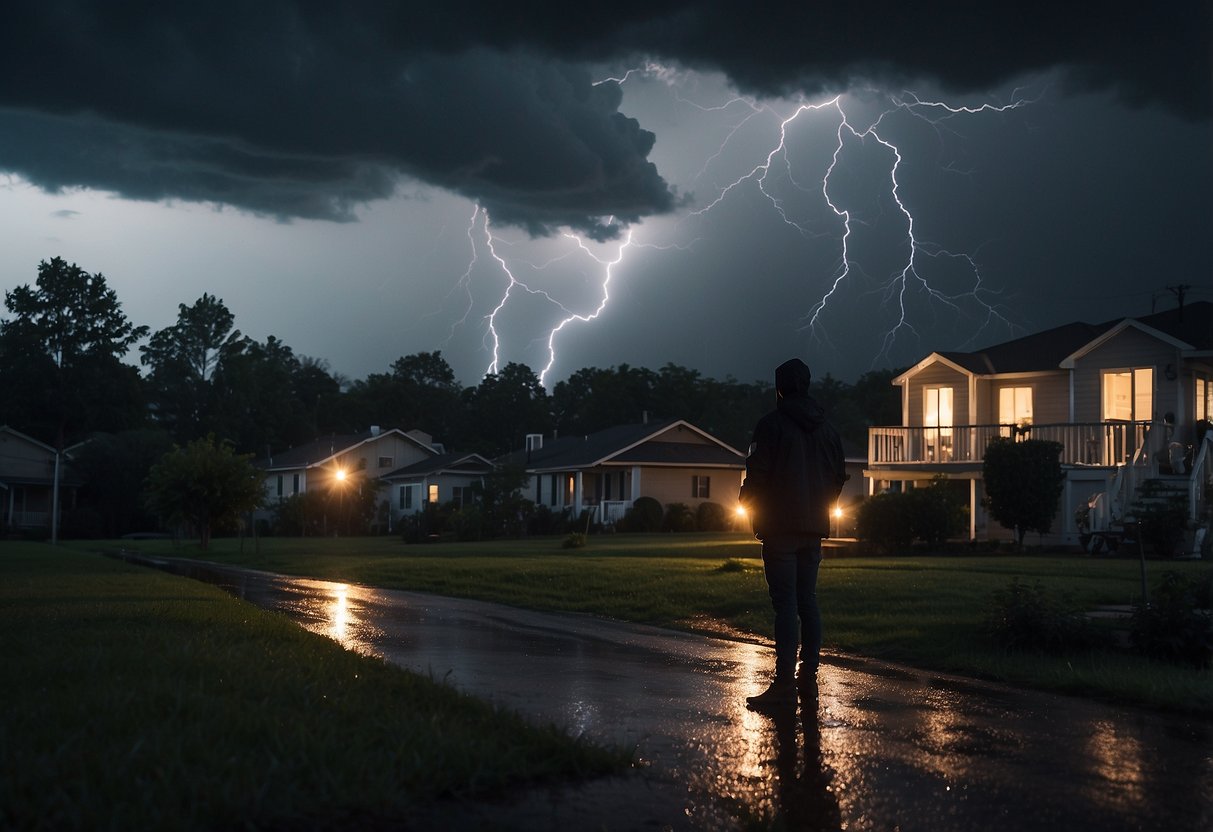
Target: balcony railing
point(1086, 443)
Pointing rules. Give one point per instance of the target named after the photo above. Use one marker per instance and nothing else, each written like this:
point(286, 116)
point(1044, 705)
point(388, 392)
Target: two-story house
point(1129, 400)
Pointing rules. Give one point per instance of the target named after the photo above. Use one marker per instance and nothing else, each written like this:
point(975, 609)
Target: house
point(338, 461)
point(443, 478)
point(1129, 400)
point(605, 472)
point(27, 479)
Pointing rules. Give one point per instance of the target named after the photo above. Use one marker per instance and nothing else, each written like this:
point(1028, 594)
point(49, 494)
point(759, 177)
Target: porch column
point(578, 493)
point(635, 483)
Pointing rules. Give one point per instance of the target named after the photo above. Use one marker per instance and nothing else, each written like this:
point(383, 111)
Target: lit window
point(1128, 395)
point(1015, 406)
point(432, 494)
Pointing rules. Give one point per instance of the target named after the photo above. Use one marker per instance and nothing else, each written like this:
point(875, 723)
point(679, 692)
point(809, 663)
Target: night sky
point(370, 180)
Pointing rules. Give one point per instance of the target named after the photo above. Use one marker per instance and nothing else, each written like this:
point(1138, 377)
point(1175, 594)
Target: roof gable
point(625, 444)
point(322, 450)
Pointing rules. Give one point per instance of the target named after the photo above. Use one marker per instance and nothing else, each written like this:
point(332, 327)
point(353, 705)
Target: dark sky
point(329, 170)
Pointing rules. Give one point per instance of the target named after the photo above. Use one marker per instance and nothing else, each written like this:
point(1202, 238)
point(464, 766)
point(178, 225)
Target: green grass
point(923, 611)
point(133, 699)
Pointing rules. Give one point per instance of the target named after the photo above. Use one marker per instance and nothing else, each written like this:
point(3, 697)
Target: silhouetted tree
point(60, 367)
point(114, 468)
point(504, 408)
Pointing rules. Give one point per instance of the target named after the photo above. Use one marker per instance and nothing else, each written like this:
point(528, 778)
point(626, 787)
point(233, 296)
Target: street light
point(837, 513)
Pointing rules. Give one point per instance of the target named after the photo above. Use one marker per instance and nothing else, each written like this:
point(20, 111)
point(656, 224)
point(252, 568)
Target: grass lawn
point(133, 699)
point(923, 611)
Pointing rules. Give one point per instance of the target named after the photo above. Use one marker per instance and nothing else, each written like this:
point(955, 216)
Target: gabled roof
point(1058, 347)
point(442, 464)
point(321, 451)
point(626, 445)
point(31, 440)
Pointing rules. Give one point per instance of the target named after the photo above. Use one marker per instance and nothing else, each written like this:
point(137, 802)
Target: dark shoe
point(779, 693)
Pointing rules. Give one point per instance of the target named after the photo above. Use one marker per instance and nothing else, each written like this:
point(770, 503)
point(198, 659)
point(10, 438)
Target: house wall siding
point(1050, 397)
point(673, 485)
point(1130, 348)
point(938, 375)
point(22, 460)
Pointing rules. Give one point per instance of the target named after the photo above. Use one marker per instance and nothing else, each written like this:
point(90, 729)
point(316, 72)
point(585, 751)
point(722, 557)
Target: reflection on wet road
point(881, 748)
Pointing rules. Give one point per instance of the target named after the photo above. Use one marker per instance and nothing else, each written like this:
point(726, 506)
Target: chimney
point(644, 417)
point(534, 442)
point(374, 430)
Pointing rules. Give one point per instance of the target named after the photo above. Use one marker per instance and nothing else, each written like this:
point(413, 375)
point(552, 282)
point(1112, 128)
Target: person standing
point(794, 473)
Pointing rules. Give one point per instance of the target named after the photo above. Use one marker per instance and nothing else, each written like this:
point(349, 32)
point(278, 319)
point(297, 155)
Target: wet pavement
point(880, 747)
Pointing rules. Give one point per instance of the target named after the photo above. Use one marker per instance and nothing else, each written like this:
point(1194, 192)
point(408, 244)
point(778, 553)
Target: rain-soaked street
point(881, 748)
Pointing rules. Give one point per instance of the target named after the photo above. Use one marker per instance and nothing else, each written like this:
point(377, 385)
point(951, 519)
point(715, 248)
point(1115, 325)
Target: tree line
point(63, 369)
point(63, 343)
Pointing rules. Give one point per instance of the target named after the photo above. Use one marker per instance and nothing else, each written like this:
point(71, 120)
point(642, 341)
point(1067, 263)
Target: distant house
point(605, 472)
point(442, 478)
point(359, 458)
point(27, 477)
point(1129, 400)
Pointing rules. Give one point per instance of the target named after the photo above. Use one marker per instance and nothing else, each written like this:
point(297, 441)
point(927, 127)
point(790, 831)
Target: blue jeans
point(791, 564)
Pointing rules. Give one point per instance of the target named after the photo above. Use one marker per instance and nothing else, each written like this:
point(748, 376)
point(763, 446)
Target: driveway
point(881, 747)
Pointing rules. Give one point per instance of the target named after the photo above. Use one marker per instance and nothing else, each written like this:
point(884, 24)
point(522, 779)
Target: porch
point(1093, 443)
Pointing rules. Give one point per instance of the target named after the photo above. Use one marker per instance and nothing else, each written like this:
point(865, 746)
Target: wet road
point(881, 748)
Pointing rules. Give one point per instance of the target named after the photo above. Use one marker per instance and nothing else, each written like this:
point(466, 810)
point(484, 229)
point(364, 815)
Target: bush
point(886, 522)
point(678, 518)
point(1163, 517)
point(891, 522)
point(711, 517)
point(1026, 617)
point(1171, 627)
point(467, 523)
point(644, 516)
point(575, 540)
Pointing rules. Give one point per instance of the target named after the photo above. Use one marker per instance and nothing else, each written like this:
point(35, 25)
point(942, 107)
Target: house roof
point(626, 444)
point(322, 450)
point(1050, 349)
point(450, 463)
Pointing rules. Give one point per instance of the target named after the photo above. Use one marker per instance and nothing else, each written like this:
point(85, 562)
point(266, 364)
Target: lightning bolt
point(772, 175)
point(910, 277)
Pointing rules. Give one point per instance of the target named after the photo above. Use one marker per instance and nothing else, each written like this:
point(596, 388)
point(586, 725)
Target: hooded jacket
point(795, 470)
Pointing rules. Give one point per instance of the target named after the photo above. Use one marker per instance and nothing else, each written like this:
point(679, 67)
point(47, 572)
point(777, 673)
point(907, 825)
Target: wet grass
point(137, 700)
point(924, 611)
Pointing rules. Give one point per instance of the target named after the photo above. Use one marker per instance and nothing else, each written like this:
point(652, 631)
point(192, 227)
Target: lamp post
point(837, 515)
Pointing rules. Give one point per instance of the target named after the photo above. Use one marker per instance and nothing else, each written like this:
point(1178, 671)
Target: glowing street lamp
point(837, 514)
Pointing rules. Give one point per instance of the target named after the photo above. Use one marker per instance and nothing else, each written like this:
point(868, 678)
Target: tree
point(185, 358)
point(60, 356)
point(205, 484)
point(1023, 482)
point(114, 468)
point(505, 407)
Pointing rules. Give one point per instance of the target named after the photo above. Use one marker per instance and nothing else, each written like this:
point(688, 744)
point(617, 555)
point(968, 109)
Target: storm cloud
point(311, 109)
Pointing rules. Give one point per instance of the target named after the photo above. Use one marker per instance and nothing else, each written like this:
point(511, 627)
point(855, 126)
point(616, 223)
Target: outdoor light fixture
point(740, 510)
point(340, 475)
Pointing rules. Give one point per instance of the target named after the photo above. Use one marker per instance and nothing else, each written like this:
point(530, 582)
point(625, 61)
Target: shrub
point(467, 523)
point(1163, 517)
point(711, 517)
point(1171, 627)
point(886, 522)
point(644, 516)
point(678, 518)
point(575, 540)
point(1026, 617)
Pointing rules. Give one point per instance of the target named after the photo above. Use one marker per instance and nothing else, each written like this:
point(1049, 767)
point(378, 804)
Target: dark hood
point(792, 382)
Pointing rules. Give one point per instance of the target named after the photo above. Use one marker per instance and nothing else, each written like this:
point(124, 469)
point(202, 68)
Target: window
point(1015, 406)
point(385, 462)
point(279, 485)
point(937, 422)
point(701, 487)
point(539, 489)
point(1204, 398)
point(432, 493)
point(463, 495)
point(294, 483)
point(361, 464)
point(1128, 395)
point(406, 497)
